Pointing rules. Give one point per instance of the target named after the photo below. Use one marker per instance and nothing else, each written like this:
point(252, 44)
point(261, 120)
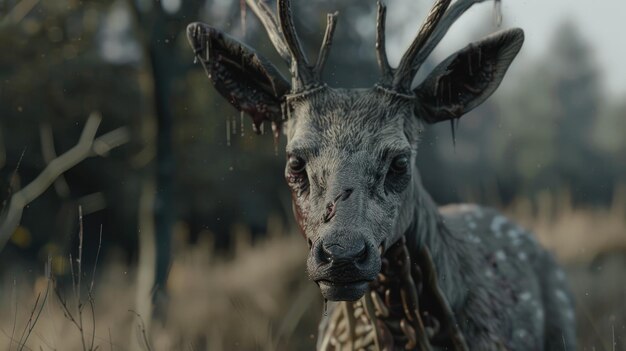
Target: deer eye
point(400, 164)
point(296, 164)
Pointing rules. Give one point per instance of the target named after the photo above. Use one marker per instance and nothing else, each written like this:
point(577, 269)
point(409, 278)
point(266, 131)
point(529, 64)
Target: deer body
point(453, 279)
point(506, 292)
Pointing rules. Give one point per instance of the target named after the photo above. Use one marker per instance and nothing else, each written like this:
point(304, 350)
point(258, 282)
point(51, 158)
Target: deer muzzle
point(343, 263)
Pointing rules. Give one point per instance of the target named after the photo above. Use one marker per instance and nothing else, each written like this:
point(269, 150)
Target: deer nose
point(333, 253)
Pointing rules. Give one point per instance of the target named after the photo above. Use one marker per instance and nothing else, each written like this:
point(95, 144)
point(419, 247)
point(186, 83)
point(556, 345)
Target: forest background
point(186, 210)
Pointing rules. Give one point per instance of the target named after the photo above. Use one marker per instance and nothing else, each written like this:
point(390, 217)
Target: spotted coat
point(524, 287)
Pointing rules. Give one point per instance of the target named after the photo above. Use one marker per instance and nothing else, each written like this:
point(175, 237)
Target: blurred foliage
point(53, 75)
point(63, 59)
point(551, 116)
point(554, 130)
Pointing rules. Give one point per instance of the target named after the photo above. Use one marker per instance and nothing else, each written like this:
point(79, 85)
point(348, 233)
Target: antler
point(265, 15)
point(454, 12)
point(407, 67)
point(381, 52)
point(331, 22)
point(300, 69)
point(282, 33)
point(434, 28)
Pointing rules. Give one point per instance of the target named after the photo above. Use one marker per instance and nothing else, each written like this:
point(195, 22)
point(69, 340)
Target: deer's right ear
point(245, 78)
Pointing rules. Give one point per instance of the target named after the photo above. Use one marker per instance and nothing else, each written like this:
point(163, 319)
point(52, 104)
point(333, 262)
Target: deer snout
point(343, 264)
point(338, 254)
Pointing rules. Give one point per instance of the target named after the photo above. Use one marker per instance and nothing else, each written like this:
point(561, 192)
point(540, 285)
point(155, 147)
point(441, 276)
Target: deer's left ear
point(467, 78)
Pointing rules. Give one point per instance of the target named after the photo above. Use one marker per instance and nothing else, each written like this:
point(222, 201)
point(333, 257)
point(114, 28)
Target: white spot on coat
point(474, 239)
point(539, 314)
point(522, 256)
point(514, 233)
point(497, 223)
point(560, 294)
point(560, 275)
point(478, 212)
point(500, 255)
point(525, 296)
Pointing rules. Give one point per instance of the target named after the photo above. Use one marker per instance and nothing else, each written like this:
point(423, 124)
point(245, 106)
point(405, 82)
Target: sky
point(600, 22)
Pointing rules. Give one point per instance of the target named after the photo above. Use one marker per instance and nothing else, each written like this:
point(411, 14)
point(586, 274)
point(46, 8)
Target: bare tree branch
point(18, 12)
point(87, 146)
point(49, 154)
point(3, 150)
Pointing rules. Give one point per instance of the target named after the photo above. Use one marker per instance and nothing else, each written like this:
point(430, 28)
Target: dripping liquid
point(228, 132)
point(242, 13)
point(241, 123)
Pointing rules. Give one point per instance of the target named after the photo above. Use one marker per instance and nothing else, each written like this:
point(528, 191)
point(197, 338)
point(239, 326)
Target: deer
point(400, 272)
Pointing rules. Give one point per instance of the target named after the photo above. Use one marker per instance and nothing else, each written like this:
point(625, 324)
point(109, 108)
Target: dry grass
point(575, 235)
point(254, 301)
point(258, 298)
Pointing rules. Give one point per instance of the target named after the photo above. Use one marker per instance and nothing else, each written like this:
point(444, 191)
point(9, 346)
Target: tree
point(51, 78)
point(579, 95)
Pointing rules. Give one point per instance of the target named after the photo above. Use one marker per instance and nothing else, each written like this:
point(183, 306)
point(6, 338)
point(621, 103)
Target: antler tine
point(381, 51)
point(454, 12)
point(407, 68)
point(265, 15)
point(331, 22)
point(300, 69)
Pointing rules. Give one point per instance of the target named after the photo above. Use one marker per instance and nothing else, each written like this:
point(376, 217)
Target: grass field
point(257, 297)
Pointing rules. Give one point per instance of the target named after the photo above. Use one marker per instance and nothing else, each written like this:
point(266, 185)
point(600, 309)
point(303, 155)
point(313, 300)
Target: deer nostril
point(361, 256)
point(326, 256)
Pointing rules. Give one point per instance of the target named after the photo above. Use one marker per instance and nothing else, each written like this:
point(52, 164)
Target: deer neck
point(414, 297)
point(428, 230)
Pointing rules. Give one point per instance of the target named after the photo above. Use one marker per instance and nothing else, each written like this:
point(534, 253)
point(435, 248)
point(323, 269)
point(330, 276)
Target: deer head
point(351, 152)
